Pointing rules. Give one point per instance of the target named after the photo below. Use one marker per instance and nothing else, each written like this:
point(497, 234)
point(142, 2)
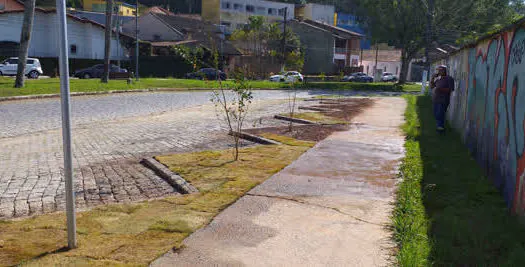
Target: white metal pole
point(66, 122)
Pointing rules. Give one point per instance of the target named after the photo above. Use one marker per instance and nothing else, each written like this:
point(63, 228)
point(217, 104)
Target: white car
point(9, 67)
point(289, 77)
point(388, 77)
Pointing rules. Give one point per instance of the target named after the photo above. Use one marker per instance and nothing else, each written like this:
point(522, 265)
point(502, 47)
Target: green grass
point(135, 234)
point(52, 86)
point(447, 211)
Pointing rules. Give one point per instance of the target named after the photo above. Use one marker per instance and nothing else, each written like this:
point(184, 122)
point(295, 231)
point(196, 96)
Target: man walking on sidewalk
point(442, 86)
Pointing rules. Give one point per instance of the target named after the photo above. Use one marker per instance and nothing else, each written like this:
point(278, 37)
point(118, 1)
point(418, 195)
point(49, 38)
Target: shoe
point(440, 129)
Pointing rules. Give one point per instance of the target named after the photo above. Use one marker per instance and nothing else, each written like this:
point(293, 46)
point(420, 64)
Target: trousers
point(440, 111)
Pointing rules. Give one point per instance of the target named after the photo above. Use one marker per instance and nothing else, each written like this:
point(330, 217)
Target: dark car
point(206, 73)
point(359, 77)
point(96, 71)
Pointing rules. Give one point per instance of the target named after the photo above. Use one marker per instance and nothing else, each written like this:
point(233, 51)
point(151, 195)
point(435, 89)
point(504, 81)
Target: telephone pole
point(284, 39)
point(137, 40)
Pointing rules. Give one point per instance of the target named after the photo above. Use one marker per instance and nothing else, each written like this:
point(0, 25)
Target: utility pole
point(118, 35)
point(137, 40)
point(284, 39)
point(430, 12)
point(66, 123)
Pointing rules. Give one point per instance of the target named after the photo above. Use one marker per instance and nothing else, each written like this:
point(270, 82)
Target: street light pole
point(137, 40)
point(66, 123)
point(284, 39)
point(430, 11)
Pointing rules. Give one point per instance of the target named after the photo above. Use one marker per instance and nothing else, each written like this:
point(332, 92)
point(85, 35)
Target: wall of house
point(10, 5)
point(88, 38)
point(318, 47)
point(151, 29)
point(488, 109)
point(324, 13)
point(386, 66)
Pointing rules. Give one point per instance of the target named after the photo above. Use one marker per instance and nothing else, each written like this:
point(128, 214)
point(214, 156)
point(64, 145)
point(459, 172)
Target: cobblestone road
point(111, 135)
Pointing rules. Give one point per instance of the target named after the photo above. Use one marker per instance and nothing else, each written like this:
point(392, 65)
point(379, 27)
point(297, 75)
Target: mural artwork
point(488, 108)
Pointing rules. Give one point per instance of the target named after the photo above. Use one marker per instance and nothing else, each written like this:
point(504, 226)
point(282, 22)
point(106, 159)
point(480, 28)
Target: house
point(100, 17)
point(166, 30)
point(11, 5)
point(327, 48)
point(316, 12)
point(234, 14)
point(124, 9)
point(85, 37)
point(388, 60)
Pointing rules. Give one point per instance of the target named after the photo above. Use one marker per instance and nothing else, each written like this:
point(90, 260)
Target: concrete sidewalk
point(331, 207)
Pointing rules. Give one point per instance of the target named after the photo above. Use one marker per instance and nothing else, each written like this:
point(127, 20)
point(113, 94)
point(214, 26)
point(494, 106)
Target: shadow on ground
point(470, 224)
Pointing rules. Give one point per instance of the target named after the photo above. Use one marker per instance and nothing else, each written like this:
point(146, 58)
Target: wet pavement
point(331, 207)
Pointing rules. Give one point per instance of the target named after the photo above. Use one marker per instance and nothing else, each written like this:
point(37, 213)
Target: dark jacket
point(443, 87)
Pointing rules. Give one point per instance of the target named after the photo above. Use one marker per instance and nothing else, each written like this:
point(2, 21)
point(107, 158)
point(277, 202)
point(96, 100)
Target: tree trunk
point(25, 39)
point(107, 45)
point(405, 63)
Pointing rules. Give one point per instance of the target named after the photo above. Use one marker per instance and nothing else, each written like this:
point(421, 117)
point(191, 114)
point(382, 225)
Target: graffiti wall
point(488, 108)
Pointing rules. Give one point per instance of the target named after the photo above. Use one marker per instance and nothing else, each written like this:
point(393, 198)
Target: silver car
point(9, 67)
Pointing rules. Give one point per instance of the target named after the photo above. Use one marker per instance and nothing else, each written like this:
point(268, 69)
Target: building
point(351, 23)
point(124, 9)
point(388, 60)
point(234, 14)
point(327, 48)
point(99, 17)
point(316, 12)
point(11, 5)
point(85, 37)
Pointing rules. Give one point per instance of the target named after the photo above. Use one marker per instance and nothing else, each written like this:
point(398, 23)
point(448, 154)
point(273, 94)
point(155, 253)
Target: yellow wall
point(211, 10)
point(100, 6)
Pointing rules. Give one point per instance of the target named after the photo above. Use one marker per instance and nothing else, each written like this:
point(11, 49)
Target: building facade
point(316, 12)
point(11, 5)
point(234, 14)
point(124, 9)
point(351, 23)
point(85, 38)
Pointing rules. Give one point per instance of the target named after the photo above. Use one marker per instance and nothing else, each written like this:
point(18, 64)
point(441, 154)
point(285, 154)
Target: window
point(73, 49)
point(261, 10)
point(225, 23)
point(226, 5)
point(13, 61)
point(281, 12)
point(272, 11)
point(237, 6)
point(156, 37)
point(30, 62)
point(250, 8)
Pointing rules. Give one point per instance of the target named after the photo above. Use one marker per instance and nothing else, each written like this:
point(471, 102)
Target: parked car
point(96, 71)
point(9, 67)
point(359, 77)
point(388, 77)
point(207, 73)
point(289, 76)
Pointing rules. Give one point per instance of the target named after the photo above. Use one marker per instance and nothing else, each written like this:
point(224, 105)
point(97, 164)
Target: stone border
point(173, 179)
point(279, 117)
point(315, 109)
point(254, 138)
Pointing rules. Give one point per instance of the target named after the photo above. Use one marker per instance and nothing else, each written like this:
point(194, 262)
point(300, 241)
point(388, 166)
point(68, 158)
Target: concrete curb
point(44, 96)
point(279, 117)
point(173, 179)
point(315, 109)
point(254, 138)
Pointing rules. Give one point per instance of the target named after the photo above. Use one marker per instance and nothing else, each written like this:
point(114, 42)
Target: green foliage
point(323, 76)
point(193, 56)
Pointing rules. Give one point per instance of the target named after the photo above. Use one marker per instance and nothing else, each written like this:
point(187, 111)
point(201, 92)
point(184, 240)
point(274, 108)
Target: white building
point(234, 14)
point(316, 12)
point(85, 37)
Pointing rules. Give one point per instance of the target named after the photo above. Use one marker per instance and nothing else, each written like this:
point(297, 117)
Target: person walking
point(442, 86)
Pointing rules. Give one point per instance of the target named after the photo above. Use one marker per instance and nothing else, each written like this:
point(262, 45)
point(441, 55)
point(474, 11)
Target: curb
point(254, 138)
point(173, 179)
point(279, 117)
point(315, 109)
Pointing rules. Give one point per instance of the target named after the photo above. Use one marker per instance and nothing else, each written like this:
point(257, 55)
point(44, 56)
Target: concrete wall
point(488, 108)
point(318, 47)
point(324, 13)
point(88, 38)
point(386, 66)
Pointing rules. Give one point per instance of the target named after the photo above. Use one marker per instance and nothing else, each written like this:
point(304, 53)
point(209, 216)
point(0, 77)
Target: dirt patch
point(344, 109)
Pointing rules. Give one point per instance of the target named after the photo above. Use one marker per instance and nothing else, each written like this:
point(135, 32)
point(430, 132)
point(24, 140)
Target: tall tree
point(400, 23)
point(25, 39)
point(107, 44)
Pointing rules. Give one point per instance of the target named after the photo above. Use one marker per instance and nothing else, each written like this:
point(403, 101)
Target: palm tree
point(107, 45)
point(25, 38)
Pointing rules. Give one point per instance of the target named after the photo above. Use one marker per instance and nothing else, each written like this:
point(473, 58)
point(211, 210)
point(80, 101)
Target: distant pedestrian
point(442, 86)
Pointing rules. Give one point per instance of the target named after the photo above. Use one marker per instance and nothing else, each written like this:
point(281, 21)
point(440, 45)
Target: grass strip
point(52, 86)
point(136, 234)
point(448, 213)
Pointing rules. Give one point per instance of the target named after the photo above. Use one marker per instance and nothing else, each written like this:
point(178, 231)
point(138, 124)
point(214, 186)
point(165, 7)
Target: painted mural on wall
point(488, 108)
